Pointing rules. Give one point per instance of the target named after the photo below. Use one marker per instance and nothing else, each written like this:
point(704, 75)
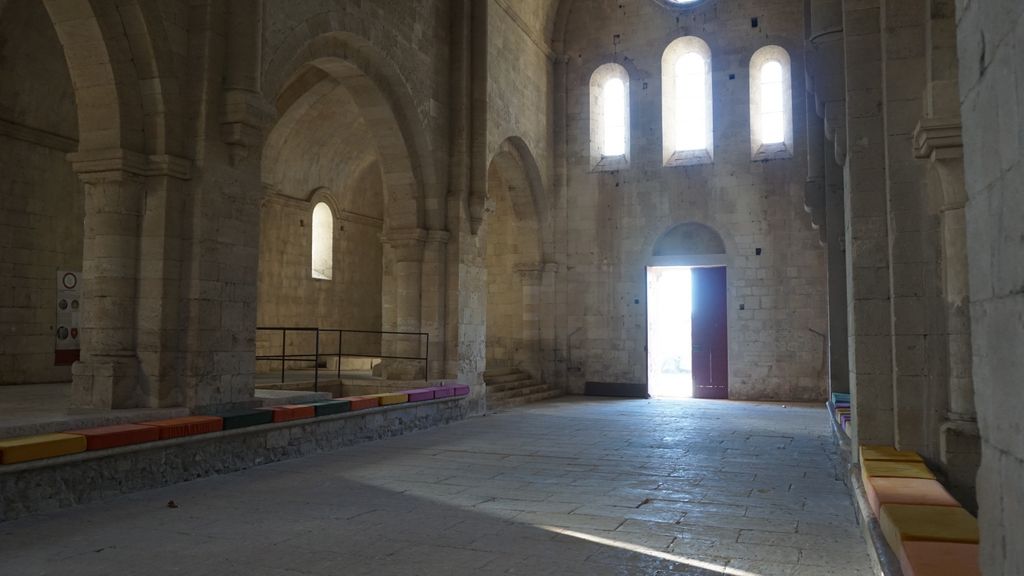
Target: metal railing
point(319, 349)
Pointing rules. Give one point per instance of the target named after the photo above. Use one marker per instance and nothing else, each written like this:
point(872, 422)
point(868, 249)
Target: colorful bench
point(927, 529)
point(420, 395)
point(245, 418)
point(27, 448)
point(107, 437)
point(888, 454)
point(390, 398)
point(292, 412)
point(361, 402)
point(882, 491)
point(331, 407)
point(187, 426)
point(939, 559)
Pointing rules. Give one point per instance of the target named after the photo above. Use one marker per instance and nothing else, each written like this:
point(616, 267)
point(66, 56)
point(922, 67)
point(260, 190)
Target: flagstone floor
point(568, 487)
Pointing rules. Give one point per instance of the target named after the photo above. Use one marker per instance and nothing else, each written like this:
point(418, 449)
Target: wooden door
point(710, 335)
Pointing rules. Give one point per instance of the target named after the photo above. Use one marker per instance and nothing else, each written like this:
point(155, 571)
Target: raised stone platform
point(45, 485)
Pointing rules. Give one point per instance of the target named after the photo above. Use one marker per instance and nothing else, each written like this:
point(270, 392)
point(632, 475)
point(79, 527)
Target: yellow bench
point(909, 523)
point(390, 398)
point(26, 448)
point(888, 453)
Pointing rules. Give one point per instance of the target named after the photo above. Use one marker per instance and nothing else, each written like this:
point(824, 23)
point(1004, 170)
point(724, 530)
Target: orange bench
point(290, 412)
point(361, 402)
point(187, 426)
point(106, 437)
point(939, 559)
point(882, 491)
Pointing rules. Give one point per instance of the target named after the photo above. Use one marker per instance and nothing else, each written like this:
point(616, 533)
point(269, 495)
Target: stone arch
point(689, 239)
point(515, 166)
point(511, 235)
point(341, 59)
point(104, 109)
point(126, 85)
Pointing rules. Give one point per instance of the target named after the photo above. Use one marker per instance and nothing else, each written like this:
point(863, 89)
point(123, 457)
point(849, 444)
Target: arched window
point(323, 242)
point(609, 118)
point(771, 104)
point(687, 107)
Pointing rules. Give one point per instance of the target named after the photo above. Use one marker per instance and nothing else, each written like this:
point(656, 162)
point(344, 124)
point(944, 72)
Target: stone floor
point(568, 487)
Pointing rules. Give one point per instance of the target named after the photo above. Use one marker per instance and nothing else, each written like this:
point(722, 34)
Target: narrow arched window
point(771, 104)
point(773, 117)
point(609, 118)
point(687, 107)
point(689, 129)
point(614, 110)
point(323, 242)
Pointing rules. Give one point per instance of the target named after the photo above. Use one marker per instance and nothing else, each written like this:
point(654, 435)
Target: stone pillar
point(433, 297)
point(131, 261)
point(867, 233)
point(939, 141)
point(548, 324)
point(530, 277)
point(406, 249)
point(107, 376)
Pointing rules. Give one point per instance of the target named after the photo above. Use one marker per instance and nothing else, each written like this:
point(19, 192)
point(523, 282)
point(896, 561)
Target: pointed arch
point(343, 60)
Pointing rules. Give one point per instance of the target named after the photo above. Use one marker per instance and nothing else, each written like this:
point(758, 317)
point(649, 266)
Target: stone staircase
point(513, 387)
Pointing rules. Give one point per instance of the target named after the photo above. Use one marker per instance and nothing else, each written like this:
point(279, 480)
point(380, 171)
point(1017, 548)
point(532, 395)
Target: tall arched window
point(323, 242)
point(609, 118)
point(687, 107)
point(771, 104)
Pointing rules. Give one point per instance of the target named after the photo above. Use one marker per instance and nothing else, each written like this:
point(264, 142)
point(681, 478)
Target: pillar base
point(105, 383)
point(960, 444)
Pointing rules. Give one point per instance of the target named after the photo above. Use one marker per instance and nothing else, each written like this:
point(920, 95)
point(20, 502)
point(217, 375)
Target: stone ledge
point(46, 485)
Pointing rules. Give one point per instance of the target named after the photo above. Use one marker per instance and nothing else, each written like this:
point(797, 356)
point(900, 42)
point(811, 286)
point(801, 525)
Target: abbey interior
point(512, 287)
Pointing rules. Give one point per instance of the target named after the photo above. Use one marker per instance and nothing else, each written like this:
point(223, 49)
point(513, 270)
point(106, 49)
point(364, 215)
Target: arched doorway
point(512, 256)
point(687, 327)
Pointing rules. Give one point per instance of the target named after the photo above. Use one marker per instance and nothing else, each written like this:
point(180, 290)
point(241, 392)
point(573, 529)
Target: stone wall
point(990, 36)
point(41, 200)
point(776, 266)
point(288, 294)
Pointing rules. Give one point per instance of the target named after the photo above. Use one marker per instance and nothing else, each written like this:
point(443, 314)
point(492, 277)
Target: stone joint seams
point(93, 163)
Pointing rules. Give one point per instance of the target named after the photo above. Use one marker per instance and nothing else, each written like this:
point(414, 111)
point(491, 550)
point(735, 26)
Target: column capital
point(102, 163)
point(939, 139)
point(438, 236)
point(406, 244)
point(530, 274)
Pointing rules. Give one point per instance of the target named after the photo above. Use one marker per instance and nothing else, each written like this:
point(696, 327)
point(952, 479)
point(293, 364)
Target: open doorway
point(687, 332)
point(669, 332)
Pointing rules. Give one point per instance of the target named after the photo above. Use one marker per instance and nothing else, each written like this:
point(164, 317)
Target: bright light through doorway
point(669, 332)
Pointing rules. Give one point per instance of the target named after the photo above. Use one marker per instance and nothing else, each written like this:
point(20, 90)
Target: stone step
point(510, 385)
point(522, 400)
point(517, 376)
point(498, 372)
point(533, 388)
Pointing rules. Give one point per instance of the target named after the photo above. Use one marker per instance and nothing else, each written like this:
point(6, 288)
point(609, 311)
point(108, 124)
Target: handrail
point(423, 340)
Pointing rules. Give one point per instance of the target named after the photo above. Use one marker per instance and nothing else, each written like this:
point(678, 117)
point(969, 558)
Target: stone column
point(433, 297)
point(406, 249)
point(867, 231)
point(107, 376)
point(939, 141)
point(530, 277)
